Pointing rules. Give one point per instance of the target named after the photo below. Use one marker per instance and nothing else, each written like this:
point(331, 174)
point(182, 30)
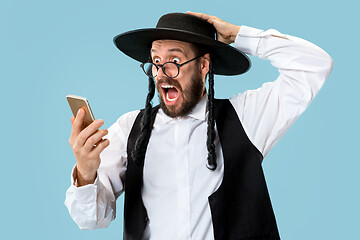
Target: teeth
point(167, 86)
point(169, 99)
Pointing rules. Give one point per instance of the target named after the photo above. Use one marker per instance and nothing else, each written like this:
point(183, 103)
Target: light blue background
point(49, 49)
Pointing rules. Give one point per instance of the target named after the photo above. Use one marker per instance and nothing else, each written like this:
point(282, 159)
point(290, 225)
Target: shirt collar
point(199, 112)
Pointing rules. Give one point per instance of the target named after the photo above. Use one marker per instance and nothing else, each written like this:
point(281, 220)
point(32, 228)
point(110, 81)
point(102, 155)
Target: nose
point(160, 73)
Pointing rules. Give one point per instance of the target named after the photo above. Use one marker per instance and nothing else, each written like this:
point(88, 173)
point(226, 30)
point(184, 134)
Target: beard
point(191, 95)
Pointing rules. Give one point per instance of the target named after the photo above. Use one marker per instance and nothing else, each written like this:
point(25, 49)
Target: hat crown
point(186, 22)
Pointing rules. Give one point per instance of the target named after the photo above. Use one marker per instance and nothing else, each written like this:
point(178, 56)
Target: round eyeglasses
point(170, 69)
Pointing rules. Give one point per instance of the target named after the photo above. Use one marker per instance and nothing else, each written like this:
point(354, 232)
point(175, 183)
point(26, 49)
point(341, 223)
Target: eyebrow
point(172, 50)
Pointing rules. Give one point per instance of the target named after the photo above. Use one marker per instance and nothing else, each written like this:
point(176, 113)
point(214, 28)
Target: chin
point(172, 110)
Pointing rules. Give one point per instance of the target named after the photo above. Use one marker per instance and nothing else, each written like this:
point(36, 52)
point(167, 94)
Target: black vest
point(240, 207)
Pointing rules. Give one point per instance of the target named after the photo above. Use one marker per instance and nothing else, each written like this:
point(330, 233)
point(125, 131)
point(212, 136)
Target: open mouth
point(170, 93)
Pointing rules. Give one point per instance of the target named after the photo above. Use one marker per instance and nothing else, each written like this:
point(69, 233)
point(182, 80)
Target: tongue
point(172, 93)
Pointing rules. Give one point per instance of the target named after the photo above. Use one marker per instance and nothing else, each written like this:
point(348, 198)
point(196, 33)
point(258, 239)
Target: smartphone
point(77, 102)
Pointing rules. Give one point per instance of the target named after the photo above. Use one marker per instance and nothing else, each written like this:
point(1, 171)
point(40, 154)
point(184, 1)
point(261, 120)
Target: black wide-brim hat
point(226, 59)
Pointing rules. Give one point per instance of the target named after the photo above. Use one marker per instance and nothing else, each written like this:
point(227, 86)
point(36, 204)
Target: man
point(191, 168)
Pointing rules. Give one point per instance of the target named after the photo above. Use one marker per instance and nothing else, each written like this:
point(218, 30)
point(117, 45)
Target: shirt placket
point(183, 184)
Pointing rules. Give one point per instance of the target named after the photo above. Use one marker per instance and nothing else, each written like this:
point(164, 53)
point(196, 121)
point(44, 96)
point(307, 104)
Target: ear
point(205, 65)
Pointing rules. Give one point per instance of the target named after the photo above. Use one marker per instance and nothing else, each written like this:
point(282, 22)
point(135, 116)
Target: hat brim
point(227, 60)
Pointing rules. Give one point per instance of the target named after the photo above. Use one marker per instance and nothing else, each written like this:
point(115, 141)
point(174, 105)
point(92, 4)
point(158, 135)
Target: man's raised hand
point(226, 32)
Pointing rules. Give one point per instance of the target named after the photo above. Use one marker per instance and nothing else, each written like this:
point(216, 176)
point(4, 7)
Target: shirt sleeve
point(268, 112)
point(94, 205)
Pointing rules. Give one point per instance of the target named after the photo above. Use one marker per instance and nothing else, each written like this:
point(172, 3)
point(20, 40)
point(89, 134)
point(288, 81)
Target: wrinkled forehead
point(169, 46)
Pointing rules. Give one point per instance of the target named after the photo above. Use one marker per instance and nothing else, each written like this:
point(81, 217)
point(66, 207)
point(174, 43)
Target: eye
point(176, 60)
point(156, 60)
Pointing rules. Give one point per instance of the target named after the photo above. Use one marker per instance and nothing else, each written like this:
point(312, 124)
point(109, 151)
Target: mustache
point(169, 81)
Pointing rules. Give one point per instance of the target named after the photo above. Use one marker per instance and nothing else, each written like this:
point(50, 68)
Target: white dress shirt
point(177, 182)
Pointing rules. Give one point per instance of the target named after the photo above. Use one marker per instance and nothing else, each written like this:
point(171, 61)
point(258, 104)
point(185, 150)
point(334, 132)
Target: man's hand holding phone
point(87, 144)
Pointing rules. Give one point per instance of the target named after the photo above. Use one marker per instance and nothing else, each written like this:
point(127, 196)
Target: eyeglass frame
point(158, 66)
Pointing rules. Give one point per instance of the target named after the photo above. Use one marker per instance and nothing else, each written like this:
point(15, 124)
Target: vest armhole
point(246, 131)
point(221, 103)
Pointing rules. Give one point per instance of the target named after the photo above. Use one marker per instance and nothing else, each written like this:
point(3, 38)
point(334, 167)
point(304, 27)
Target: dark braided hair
point(210, 143)
point(146, 126)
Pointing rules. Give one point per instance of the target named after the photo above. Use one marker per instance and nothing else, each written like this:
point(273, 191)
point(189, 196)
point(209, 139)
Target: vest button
point(146, 219)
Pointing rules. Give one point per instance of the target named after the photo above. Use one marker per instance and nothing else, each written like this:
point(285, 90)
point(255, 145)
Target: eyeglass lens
point(170, 69)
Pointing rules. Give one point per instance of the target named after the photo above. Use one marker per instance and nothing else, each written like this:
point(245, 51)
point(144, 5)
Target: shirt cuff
point(247, 39)
point(87, 193)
